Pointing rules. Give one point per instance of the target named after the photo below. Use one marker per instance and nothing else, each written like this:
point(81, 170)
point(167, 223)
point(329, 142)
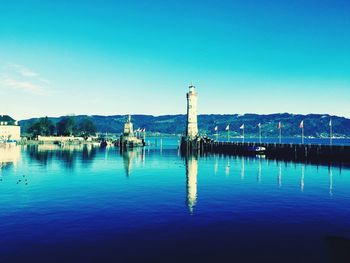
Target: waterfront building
point(192, 125)
point(9, 129)
point(192, 141)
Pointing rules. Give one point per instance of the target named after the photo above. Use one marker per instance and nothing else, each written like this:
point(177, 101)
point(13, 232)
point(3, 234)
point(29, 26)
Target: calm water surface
point(84, 204)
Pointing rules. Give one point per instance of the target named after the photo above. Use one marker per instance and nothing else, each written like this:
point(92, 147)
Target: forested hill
point(314, 124)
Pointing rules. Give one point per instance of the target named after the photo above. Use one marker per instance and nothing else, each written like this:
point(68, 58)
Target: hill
point(316, 125)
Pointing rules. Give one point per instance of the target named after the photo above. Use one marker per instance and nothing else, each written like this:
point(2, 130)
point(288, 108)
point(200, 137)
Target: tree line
point(66, 126)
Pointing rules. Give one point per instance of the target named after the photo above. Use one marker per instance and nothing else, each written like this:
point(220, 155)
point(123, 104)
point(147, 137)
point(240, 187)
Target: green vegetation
point(64, 126)
point(86, 128)
point(43, 126)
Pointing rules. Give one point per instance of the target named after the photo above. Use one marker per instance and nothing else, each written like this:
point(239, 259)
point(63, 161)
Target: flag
point(279, 125)
point(216, 128)
point(227, 127)
point(259, 125)
point(242, 127)
point(330, 123)
point(301, 126)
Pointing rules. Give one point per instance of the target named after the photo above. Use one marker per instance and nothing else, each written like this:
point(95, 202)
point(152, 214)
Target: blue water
point(85, 204)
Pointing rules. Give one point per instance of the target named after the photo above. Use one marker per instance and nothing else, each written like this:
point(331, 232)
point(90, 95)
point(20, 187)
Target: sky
point(107, 57)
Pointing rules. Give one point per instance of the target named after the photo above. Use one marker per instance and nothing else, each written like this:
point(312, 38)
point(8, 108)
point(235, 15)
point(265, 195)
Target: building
point(192, 125)
point(9, 129)
point(192, 141)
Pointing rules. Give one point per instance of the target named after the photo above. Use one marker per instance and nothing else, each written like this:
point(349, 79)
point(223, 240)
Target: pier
point(311, 152)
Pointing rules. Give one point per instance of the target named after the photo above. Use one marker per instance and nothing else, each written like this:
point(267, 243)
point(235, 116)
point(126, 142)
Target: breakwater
point(312, 152)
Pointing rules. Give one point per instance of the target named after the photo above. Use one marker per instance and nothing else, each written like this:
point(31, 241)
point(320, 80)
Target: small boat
point(256, 149)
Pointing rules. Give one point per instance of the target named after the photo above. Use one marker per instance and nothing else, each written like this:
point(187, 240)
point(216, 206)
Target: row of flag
point(216, 128)
point(279, 126)
point(141, 130)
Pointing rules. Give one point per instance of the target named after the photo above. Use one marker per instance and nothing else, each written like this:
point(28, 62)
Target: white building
point(192, 126)
point(9, 129)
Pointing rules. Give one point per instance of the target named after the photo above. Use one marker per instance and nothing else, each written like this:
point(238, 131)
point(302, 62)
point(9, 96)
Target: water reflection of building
point(9, 154)
point(130, 156)
point(191, 181)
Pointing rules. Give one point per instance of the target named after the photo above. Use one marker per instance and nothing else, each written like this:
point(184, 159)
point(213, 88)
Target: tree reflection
point(69, 155)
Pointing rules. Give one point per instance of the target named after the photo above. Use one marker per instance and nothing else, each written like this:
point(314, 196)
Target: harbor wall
point(283, 151)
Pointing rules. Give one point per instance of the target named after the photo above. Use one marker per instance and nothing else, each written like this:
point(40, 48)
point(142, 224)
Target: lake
point(91, 204)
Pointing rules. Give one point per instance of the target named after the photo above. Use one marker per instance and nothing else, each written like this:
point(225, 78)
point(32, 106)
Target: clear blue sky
point(117, 57)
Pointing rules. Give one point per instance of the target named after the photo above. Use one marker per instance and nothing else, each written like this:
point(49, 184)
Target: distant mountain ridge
point(315, 125)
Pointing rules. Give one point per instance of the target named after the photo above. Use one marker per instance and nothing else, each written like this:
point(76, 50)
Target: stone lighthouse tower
point(192, 126)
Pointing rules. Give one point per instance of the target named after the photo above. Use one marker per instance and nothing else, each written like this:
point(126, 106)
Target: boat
point(256, 149)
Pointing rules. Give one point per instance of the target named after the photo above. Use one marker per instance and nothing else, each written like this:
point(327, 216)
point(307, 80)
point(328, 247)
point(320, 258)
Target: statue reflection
point(9, 155)
point(130, 157)
point(191, 178)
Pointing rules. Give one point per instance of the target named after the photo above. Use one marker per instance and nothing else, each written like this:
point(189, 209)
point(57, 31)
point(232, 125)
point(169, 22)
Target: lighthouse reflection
point(191, 181)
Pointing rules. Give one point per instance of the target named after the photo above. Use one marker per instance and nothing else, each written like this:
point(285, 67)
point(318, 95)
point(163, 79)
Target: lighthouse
point(192, 126)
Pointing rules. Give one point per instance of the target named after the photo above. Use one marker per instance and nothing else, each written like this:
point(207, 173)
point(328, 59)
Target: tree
point(43, 127)
point(87, 128)
point(66, 126)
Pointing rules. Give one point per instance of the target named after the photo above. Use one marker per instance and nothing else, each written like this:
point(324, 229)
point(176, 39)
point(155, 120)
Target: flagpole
point(302, 135)
point(330, 133)
point(280, 134)
point(259, 126)
point(243, 134)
